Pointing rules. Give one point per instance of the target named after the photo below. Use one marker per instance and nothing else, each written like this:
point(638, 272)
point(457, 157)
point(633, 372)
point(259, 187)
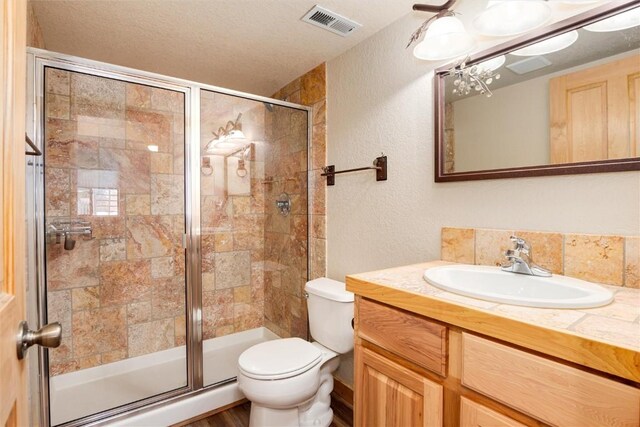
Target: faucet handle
point(521, 245)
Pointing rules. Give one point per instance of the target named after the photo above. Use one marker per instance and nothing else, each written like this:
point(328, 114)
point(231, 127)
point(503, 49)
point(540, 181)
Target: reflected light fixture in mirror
point(477, 77)
point(234, 139)
point(493, 63)
point(506, 18)
point(484, 139)
point(628, 19)
point(576, 2)
point(228, 137)
point(553, 44)
point(445, 38)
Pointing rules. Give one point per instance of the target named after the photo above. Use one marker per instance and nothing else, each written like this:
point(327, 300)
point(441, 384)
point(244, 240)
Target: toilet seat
point(279, 359)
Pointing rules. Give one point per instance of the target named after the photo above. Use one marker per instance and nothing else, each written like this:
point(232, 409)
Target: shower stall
point(168, 232)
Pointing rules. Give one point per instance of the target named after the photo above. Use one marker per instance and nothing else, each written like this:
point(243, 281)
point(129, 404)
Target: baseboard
point(343, 391)
point(342, 402)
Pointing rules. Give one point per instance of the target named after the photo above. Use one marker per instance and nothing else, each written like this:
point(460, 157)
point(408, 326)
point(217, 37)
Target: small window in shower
point(98, 201)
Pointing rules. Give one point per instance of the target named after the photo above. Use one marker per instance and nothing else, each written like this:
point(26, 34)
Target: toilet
point(289, 380)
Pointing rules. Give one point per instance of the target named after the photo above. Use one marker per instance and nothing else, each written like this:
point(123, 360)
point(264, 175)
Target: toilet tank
point(330, 308)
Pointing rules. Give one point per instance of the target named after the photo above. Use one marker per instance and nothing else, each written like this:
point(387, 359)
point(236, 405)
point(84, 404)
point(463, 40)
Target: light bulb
point(553, 44)
point(445, 38)
point(511, 17)
point(622, 21)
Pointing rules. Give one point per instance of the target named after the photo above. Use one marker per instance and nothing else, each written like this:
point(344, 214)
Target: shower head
point(269, 106)
point(69, 243)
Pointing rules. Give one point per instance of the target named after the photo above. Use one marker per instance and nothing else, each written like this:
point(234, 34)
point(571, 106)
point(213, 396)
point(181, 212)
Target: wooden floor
point(238, 416)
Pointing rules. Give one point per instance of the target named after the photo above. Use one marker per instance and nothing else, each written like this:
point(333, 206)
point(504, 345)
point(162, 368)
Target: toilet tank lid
point(329, 289)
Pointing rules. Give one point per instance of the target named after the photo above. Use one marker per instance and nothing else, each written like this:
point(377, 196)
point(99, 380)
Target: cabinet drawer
point(412, 337)
point(473, 414)
point(547, 390)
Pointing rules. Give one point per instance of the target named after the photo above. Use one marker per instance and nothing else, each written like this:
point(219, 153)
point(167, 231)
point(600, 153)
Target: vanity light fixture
point(622, 21)
point(505, 18)
point(445, 38)
point(444, 35)
point(554, 44)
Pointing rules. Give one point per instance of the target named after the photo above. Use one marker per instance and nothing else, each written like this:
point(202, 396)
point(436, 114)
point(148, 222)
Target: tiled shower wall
point(233, 221)
point(612, 260)
point(121, 294)
point(285, 237)
point(285, 306)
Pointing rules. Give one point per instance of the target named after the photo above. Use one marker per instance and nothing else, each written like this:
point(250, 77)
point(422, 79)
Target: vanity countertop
point(605, 338)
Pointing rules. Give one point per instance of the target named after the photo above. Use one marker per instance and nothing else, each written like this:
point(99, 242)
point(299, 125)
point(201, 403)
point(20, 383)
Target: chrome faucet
point(519, 260)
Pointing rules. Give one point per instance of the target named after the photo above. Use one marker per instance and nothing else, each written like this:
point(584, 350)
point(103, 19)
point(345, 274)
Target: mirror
point(563, 100)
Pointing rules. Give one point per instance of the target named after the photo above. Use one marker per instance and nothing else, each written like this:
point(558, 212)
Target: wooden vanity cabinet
point(414, 371)
point(473, 414)
point(392, 395)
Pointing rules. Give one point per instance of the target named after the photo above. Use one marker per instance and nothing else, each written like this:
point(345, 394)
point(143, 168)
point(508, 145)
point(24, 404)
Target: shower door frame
point(37, 61)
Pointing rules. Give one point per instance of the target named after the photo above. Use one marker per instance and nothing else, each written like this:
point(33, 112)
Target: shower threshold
point(89, 391)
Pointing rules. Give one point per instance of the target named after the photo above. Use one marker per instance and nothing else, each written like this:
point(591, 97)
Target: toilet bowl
point(285, 388)
point(289, 380)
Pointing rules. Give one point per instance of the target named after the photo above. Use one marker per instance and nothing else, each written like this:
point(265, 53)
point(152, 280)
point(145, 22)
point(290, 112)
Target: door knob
point(48, 336)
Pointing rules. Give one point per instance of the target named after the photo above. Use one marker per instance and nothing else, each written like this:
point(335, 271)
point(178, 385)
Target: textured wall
point(34, 32)
point(380, 98)
point(121, 294)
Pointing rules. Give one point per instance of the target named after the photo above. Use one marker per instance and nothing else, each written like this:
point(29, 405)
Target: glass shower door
point(254, 226)
point(114, 220)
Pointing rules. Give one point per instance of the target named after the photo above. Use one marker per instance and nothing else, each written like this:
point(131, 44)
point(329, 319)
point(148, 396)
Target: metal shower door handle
point(48, 336)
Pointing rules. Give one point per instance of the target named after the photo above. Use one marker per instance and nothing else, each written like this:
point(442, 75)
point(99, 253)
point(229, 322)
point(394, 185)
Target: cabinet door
point(473, 414)
point(391, 395)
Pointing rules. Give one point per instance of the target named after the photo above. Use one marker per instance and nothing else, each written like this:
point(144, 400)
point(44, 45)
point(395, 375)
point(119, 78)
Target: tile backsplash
point(611, 260)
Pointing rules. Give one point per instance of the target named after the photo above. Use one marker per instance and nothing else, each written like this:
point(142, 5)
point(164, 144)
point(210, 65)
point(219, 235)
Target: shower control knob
point(48, 336)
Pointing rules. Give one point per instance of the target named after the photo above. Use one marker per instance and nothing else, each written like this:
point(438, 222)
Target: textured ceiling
point(256, 46)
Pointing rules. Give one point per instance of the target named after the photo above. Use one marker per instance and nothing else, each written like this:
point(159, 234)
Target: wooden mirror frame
point(597, 166)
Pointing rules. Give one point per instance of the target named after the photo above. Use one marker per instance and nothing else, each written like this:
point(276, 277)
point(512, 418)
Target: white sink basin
point(493, 284)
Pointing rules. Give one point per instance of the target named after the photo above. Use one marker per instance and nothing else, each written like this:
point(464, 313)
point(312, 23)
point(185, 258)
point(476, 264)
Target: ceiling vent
point(529, 64)
point(323, 18)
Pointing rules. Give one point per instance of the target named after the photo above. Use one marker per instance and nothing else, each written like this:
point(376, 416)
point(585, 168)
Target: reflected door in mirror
point(594, 113)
